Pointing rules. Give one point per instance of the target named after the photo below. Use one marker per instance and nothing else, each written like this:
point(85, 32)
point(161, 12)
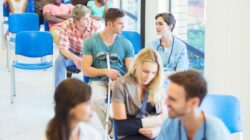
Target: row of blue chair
point(18, 23)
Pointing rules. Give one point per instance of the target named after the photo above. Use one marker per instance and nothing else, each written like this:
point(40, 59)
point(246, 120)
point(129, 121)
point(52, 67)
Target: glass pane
point(132, 11)
point(190, 27)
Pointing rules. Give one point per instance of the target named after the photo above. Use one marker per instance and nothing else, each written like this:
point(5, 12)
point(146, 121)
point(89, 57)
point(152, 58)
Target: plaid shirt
point(72, 39)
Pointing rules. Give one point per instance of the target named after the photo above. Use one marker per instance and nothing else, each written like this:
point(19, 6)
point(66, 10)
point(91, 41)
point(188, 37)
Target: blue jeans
point(60, 68)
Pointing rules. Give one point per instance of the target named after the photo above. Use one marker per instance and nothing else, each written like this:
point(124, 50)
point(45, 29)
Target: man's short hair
point(193, 82)
point(168, 18)
point(112, 14)
point(79, 11)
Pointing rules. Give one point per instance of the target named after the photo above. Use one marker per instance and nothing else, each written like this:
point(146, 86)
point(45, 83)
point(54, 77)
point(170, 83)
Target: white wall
point(153, 7)
point(227, 52)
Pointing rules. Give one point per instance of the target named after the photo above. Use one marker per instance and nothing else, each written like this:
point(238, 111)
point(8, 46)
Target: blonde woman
point(137, 98)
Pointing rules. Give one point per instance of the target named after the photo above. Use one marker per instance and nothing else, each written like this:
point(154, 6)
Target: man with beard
point(186, 121)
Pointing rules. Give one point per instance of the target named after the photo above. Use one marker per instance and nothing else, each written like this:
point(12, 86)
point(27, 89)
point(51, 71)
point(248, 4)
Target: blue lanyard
point(172, 47)
point(204, 128)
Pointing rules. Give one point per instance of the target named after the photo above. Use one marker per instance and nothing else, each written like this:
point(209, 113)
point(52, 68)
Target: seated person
point(95, 50)
point(186, 121)
point(172, 50)
point(137, 99)
point(55, 14)
point(73, 32)
point(98, 8)
point(16, 6)
point(73, 109)
point(39, 5)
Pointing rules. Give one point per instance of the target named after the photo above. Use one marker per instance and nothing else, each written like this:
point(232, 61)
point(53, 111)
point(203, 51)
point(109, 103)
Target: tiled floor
point(27, 118)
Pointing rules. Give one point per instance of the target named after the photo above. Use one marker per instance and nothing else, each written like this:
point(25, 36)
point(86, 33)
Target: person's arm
point(52, 19)
point(129, 53)
point(5, 3)
point(152, 126)
point(24, 6)
point(183, 62)
point(90, 71)
point(64, 44)
point(64, 16)
point(123, 126)
point(128, 62)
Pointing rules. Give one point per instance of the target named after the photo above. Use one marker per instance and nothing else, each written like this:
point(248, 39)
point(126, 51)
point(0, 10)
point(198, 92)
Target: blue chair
point(31, 44)
point(226, 108)
point(18, 23)
point(6, 10)
point(46, 25)
point(134, 38)
point(30, 8)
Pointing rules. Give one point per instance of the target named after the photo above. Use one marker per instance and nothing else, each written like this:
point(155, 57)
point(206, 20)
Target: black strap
point(127, 127)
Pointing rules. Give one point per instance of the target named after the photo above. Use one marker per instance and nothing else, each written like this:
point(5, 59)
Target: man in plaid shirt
point(73, 32)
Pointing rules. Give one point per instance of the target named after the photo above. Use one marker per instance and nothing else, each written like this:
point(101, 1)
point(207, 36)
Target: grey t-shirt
point(125, 91)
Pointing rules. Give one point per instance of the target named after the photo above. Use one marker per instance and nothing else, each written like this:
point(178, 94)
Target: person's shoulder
point(49, 5)
point(90, 3)
point(179, 43)
point(120, 81)
point(94, 37)
point(216, 128)
point(125, 80)
point(68, 21)
point(169, 122)
point(88, 131)
point(212, 119)
point(94, 22)
point(122, 37)
point(154, 43)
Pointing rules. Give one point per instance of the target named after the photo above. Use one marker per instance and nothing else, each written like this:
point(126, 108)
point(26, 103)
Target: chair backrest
point(224, 107)
point(34, 44)
point(46, 25)
point(23, 22)
point(134, 38)
point(30, 8)
point(6, 10)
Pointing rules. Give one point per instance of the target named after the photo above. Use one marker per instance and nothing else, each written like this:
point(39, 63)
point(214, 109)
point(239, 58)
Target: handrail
point(193, 49)
point(134, 17)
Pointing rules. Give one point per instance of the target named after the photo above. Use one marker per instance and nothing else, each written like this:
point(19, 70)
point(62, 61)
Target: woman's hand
point(148, 132)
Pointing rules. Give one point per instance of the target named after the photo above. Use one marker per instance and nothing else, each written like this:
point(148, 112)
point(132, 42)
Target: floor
point(27, 118)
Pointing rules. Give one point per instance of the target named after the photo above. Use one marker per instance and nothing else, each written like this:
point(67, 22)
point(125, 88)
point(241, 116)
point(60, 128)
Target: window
point(190, 27)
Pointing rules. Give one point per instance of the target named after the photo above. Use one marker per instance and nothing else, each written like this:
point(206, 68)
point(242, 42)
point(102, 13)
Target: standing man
point(55, 14)
point(186, 121)
point(120, 51)
point(73, 32)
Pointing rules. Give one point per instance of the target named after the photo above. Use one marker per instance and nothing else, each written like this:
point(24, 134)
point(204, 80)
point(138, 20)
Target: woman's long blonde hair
point(154, 88)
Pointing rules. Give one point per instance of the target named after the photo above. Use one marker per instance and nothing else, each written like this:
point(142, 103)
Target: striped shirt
point(72, 39)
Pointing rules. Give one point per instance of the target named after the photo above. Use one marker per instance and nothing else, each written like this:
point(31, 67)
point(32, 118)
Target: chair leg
point(13, 85)
point(8, 56)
